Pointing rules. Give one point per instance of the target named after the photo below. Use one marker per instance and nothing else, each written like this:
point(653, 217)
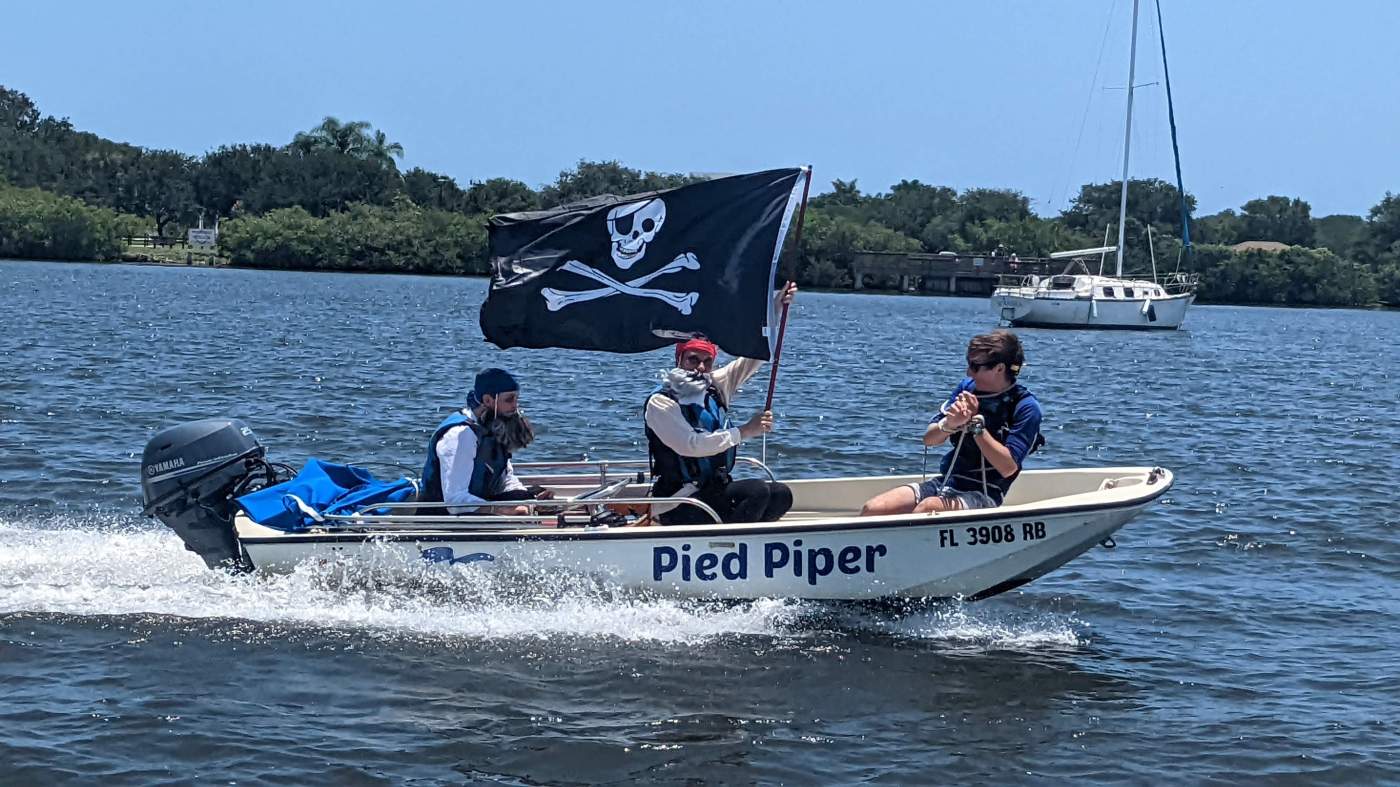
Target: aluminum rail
point(586, 463)
point(601, 464)
point(750, 460)
point(470, 521)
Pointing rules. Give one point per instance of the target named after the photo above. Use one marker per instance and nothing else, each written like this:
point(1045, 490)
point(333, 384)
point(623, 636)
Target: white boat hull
point(1033, 311)
point(818, 551)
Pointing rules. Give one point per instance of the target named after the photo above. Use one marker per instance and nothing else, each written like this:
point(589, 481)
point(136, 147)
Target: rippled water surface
point(1244, 628)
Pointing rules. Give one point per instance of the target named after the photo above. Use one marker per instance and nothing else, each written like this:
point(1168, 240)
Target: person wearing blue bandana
point(993, 423)
point(469, 453)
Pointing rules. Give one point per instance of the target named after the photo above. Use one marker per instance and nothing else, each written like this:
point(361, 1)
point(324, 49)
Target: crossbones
point(682, 302)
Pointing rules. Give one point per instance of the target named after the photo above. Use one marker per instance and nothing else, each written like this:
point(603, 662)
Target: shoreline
point(1375, 307)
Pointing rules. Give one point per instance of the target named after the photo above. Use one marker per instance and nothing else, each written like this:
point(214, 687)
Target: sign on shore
point(203, 237)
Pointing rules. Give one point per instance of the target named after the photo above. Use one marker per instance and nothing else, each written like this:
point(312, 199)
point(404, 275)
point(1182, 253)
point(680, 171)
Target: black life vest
point(972, 468)
point(670, 470)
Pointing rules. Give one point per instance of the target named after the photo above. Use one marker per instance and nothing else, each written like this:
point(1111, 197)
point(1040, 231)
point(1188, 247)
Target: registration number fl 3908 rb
point(976, 535)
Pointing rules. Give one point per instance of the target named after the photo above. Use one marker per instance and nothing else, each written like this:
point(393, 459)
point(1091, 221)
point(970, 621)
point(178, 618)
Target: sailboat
point(1078, 298)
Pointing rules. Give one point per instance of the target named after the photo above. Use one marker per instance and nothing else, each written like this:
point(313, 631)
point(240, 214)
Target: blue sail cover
point(328, 488)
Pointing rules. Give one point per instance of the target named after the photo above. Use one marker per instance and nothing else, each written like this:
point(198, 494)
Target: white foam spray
point(104, 566)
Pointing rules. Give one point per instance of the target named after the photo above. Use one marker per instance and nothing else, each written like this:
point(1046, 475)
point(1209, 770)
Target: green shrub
point(1297, 276)
point(35, 224)
point(402, 238)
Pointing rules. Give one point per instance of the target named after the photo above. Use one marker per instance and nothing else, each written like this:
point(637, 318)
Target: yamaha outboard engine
point(190, 475)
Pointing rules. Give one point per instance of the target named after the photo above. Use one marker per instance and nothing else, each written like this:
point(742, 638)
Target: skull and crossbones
point(630, 227)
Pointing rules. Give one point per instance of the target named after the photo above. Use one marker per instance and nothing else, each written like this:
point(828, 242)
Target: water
point(1244, 628)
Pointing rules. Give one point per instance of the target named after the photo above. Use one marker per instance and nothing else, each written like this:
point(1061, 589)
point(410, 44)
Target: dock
point(973, 275)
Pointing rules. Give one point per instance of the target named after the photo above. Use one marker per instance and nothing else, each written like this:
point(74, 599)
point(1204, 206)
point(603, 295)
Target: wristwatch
point(976, 426)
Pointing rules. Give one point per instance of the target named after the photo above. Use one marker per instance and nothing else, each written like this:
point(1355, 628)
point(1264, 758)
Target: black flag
point(630, 274)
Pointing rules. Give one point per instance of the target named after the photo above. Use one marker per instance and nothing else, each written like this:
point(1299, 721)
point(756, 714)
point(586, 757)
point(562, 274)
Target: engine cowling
point(189, 475)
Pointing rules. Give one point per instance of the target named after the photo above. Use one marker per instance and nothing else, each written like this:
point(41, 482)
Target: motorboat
point(210, 482)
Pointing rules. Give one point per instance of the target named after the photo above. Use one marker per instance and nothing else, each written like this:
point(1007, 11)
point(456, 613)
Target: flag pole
point(782, 324)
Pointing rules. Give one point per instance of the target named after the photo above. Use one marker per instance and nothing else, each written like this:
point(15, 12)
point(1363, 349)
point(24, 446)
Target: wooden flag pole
point(782, 324)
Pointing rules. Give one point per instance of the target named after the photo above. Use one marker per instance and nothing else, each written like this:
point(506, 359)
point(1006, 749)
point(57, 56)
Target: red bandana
point(698, 344)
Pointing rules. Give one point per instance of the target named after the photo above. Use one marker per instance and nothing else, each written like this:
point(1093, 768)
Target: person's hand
point(759, 424)
point(969, 399)
point(544, 494)
point(518, 511)
point(789, 292)
point(961, 411)
point(956, 417)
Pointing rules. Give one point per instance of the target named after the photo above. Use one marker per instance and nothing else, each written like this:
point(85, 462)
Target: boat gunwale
point(1091, 326)
point(587, 533)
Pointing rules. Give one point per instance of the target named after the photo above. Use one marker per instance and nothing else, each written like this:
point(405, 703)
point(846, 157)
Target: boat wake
point(980, 628)
point(110, 566)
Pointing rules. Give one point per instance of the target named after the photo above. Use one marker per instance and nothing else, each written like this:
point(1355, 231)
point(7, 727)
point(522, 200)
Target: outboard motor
point(190, 475)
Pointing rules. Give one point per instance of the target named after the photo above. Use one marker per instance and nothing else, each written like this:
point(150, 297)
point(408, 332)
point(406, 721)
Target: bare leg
point(936, 503)
point(899, 500)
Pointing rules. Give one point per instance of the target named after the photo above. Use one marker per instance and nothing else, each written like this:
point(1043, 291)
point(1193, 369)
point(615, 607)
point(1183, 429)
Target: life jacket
point(972, 468)
point(670, 469)
point(488, 469)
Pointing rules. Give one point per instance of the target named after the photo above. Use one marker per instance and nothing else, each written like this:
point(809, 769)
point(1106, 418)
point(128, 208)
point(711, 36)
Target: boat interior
point(622, 486)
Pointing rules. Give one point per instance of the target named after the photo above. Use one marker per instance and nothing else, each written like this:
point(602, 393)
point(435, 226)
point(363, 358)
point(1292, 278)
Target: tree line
point(1332, 261)
point(334, 198)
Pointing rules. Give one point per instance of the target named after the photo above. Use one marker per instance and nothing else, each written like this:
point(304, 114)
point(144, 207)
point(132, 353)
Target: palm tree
point(380, 149)
point(350, 138)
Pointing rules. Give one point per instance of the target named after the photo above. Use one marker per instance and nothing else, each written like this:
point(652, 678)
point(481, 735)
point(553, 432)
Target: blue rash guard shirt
point(1017, 429)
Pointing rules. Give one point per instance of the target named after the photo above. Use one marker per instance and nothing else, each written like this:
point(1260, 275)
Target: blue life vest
point(972, 468)
point(670, 469)
point(487, 471)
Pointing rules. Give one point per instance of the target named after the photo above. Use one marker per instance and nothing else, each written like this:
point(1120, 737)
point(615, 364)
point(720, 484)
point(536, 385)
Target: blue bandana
point(491, 382)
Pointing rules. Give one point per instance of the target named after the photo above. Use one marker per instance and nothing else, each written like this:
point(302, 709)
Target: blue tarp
point(328, 488)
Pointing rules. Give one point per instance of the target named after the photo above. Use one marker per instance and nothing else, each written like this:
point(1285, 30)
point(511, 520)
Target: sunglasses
point(974, 365)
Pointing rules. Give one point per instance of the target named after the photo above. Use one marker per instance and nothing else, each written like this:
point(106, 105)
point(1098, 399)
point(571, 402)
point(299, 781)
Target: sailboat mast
point(1127, 141)
point(1176, 153)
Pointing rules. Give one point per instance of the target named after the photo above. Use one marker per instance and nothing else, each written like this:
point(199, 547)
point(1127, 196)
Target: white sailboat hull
point(818, 551)
point(1032, 307)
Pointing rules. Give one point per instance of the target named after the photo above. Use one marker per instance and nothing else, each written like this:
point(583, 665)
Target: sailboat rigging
point(1078, 298)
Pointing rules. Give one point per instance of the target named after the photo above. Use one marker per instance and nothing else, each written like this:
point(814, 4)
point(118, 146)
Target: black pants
point(749, 500)
point(514, 494)
point(509, 495)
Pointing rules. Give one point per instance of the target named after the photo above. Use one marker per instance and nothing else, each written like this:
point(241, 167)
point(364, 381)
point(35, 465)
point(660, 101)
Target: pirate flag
point(630, 274)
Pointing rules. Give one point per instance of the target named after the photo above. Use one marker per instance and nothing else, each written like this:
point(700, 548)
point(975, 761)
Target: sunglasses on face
point(974, 365)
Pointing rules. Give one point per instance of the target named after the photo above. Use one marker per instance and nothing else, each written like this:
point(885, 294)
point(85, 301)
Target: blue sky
point(1278, 97)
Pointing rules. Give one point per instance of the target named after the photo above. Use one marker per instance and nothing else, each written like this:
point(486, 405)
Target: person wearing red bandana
point(692, 442)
